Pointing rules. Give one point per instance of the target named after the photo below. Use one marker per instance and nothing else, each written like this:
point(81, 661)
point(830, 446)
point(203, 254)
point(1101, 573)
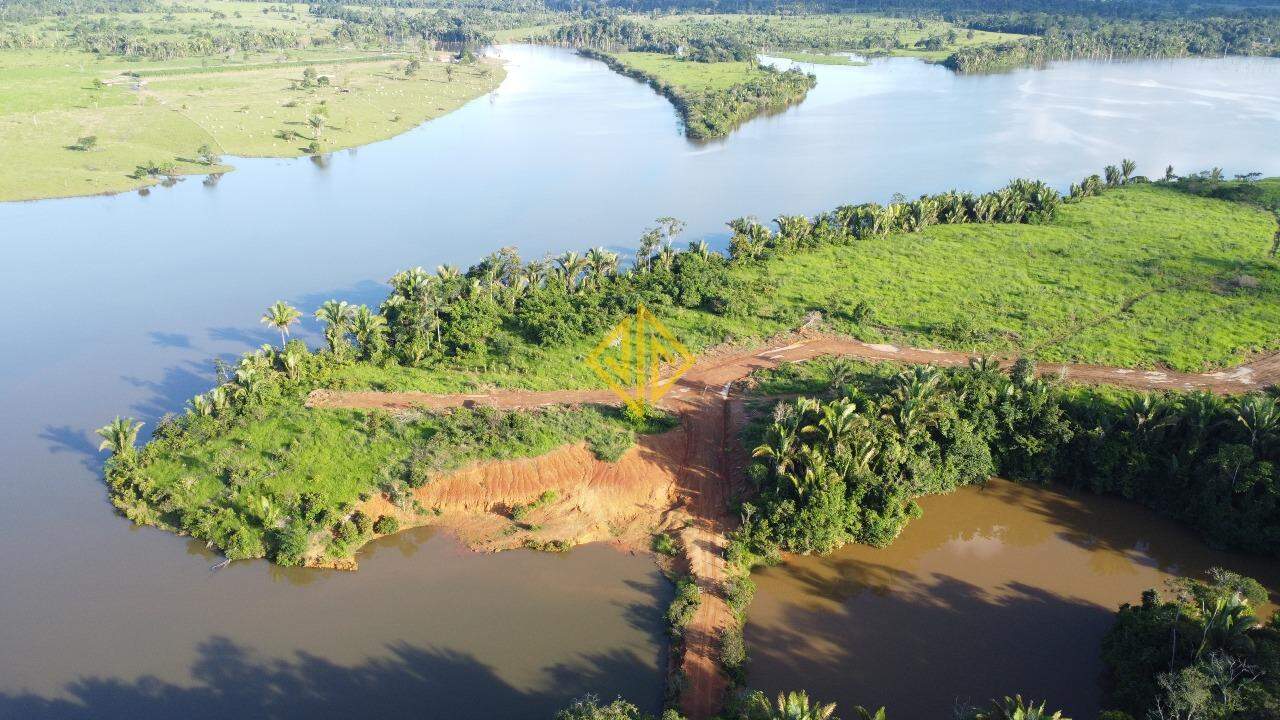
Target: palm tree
point(280, 316)
point(837, 423)
point(1260, 417)
point(119, 435)
point(861, 713)
point(914, 406)
point(337, 316)
point(201, 405)
point(1013, 708)
point(779, 446)
point(571, 264)
point(291, 359)
point(316, 122)
point(602, 264)
point(1226, 623)
point(790, 706)
point(369, 327)
point(1145, 414)
point(1127, 167)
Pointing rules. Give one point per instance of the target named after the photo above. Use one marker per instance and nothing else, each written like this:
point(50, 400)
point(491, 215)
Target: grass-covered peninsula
point(713, 98)
point(1020, 270)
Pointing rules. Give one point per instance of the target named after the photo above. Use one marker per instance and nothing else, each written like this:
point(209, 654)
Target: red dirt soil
point(696, 467)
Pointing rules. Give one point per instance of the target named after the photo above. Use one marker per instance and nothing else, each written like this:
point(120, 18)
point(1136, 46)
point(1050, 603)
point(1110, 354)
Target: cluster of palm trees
point(812, 444)
point(1112, 176)
point(1212, 458)
point(797, 705)
point(1021, 201)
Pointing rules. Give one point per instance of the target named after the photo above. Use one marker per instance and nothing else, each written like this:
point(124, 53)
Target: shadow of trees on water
point(919, 643)
point(230, 681)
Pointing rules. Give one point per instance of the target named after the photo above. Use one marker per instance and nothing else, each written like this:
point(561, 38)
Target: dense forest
point(1062, 37)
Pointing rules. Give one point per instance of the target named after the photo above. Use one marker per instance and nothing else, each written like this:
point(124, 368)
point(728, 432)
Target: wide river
point(127, 298)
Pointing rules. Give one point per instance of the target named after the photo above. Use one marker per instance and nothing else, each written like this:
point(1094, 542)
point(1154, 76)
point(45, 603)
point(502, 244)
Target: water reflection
point(996, 590)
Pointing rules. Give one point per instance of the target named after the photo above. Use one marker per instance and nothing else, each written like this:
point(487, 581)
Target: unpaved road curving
point(705, 467)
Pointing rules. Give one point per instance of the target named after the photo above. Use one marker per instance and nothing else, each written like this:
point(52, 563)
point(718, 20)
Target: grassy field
point(819, 58)
point(48, 100)
point(856, 32)
point(1141, 276)
point(692, 76)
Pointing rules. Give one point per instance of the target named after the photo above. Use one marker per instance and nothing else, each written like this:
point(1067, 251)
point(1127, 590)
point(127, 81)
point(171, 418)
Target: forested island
point(263, 466)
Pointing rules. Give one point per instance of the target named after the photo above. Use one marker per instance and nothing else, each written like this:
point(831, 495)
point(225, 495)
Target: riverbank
point(80, 124)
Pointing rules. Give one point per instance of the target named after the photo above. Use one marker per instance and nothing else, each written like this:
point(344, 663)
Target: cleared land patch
point(51, 100)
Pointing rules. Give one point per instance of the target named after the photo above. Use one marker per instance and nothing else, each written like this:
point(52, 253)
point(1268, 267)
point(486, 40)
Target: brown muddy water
point(997, 590)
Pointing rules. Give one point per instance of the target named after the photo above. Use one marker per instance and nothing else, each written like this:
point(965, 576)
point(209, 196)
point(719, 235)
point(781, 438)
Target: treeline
point(1118, 9)
point(26, 10)
point(1074, 37)
point(111, 37)
point(829, 472)
point(444, 27)
point(610, 31)
point(797, 705)
point(714, 113)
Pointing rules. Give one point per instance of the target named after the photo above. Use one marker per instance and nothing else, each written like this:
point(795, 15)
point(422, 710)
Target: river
point(128, 297)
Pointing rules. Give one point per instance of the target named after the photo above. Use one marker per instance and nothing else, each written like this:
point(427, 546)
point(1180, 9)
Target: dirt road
point(707, 466)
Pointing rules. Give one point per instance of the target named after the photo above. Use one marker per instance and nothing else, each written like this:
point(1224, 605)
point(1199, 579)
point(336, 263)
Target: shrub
point(345, 531)
point(363, 522)
point(682, 609)
point(385, 525)
point(291, 544)
point(733, 653)
point(664, 544)
point(739, 591)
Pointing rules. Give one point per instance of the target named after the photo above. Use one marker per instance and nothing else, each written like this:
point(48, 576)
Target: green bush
point(739, 590)
point(363, 523)
point(733, 653)
point(682, 609)
point(291, 544)
point(664, 544)
point(345, 531)
point(386, 525)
